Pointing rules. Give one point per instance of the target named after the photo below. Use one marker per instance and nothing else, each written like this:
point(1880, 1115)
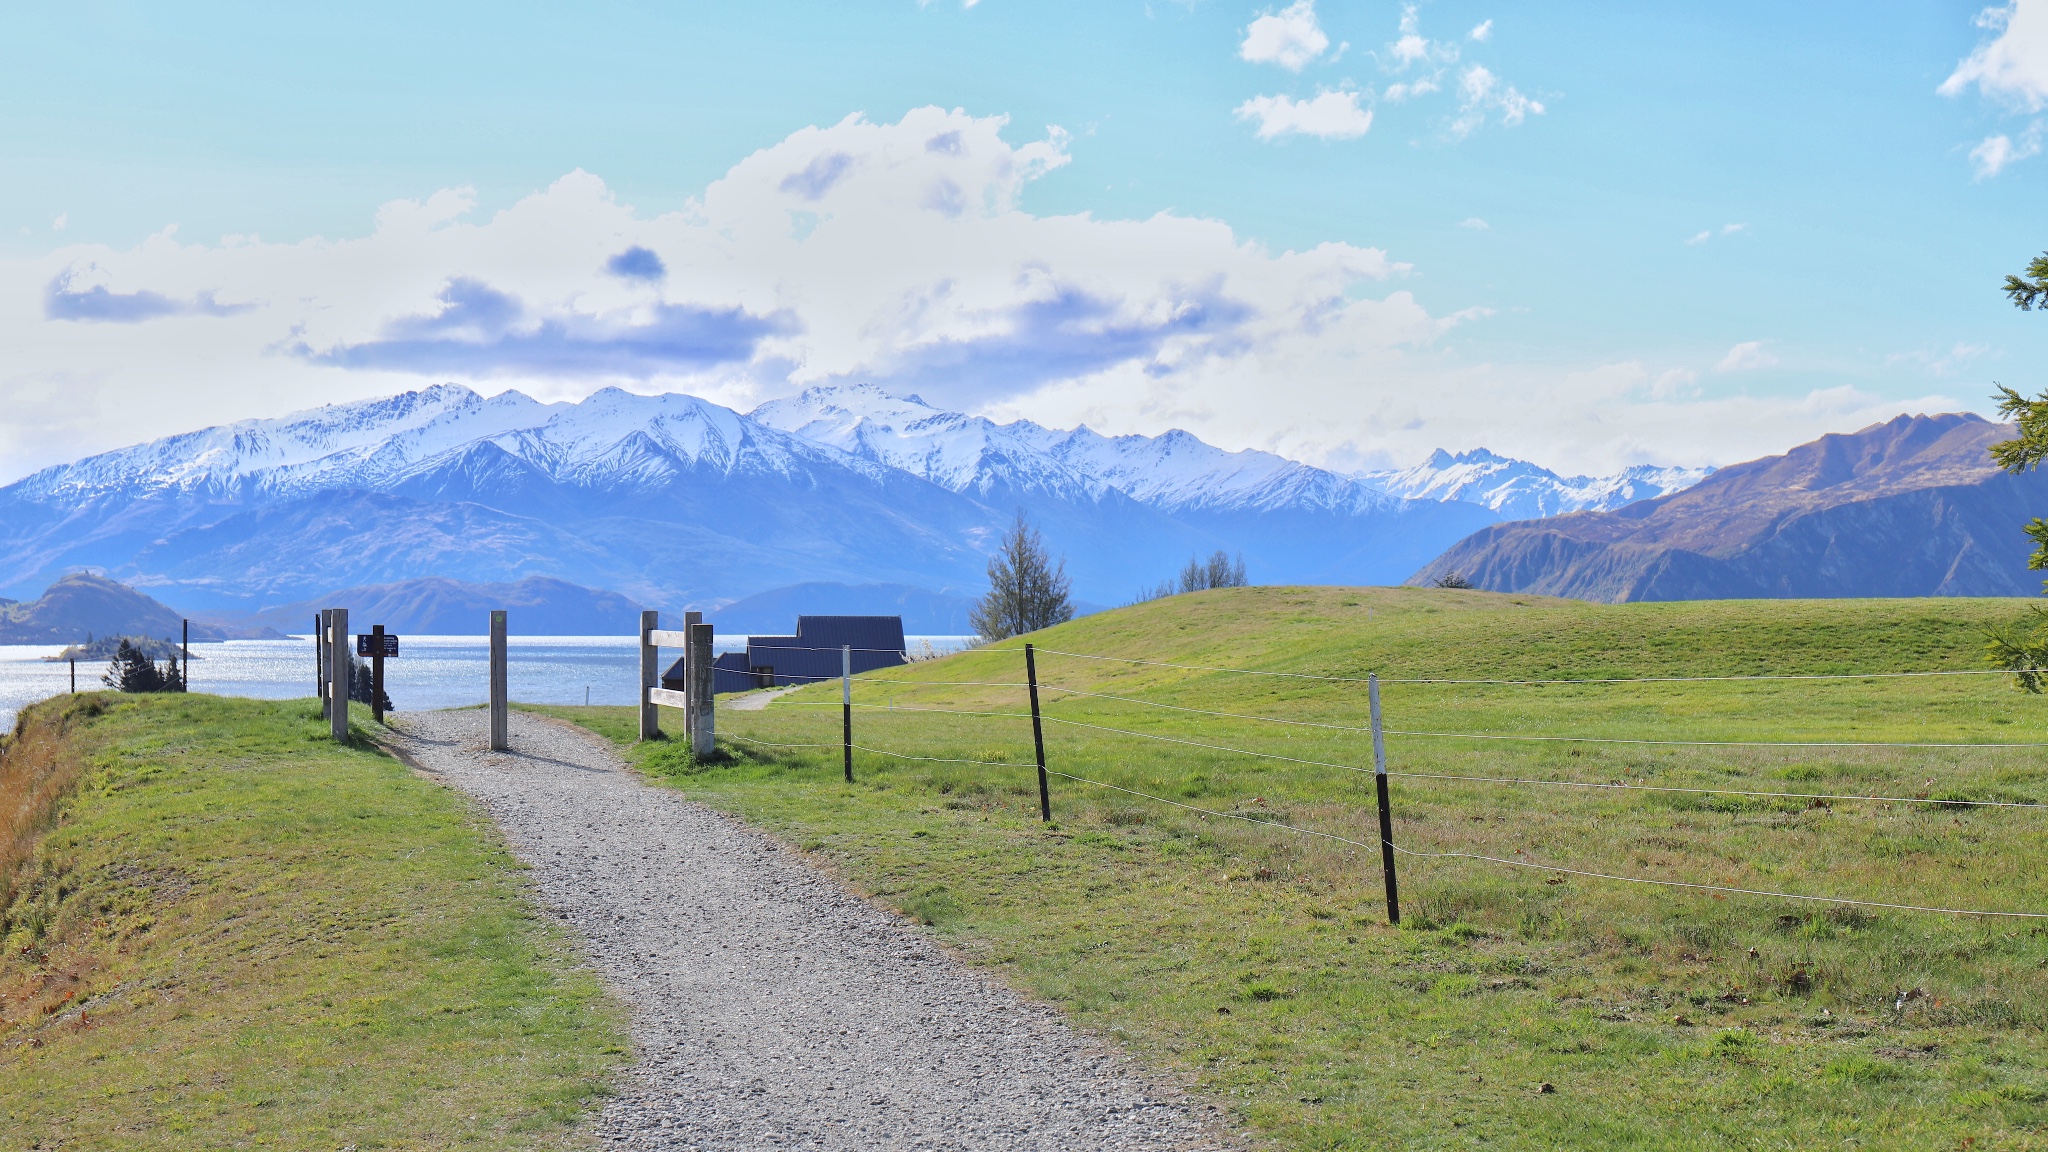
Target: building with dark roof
point(814, 653)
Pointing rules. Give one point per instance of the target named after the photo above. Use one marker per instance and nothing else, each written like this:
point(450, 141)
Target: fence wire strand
point(1535, 683)
point(1553, 867)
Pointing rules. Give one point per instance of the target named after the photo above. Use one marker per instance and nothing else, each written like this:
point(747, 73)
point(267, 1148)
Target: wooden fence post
point(501, 716)
point(650, 674)
point(846, 706)
point(185, 652)
point(690, 620)
point(377, 673)
point(1037, 733)
point(338, 669)
point(1379, 776)
point(703, 723)
point(320, 662)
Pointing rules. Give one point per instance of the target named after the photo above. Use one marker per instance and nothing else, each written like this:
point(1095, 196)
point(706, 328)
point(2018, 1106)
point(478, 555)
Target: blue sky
point(1729, 227)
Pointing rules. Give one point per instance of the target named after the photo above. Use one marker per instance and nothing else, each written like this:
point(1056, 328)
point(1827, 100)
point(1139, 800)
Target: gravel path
point(771, 1008)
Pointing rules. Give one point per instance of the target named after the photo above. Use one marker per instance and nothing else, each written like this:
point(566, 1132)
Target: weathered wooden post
point(501, 716)
point(1379, 776)
point(338, 669)
point(377, 672)
point(74, 673)
point(185, 658)
point(650, 674)
point(1037, 733)
point(320, 660)
point(846, 706)
point(703, 723)
point(690, 620)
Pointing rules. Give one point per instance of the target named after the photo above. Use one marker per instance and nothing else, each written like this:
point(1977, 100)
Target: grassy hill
point(1514, 1007)
point(222, 930)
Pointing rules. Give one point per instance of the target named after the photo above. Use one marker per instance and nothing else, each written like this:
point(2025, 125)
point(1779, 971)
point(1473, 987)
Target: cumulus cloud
point(1411, 47)
point(1746, 357)
point(1329, 116)
point(910, 264)
point(2011, 67)
point(1483, 32)
point(1291, 37)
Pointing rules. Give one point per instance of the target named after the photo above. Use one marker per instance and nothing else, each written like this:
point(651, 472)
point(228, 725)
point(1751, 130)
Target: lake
point(430, 672)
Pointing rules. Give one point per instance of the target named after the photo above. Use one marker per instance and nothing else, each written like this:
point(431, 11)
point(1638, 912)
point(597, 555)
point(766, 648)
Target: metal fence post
point(1379, 776)
point(338, 670)
point(846, 705)
point(1037, 734)
point(703, 723)
point(650, 671)
point(501, 717)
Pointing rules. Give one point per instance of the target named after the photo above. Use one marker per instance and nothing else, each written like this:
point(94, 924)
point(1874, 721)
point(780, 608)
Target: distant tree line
point(1220, 570)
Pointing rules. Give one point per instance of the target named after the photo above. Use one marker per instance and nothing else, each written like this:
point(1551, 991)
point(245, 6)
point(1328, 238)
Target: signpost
point(377, 644)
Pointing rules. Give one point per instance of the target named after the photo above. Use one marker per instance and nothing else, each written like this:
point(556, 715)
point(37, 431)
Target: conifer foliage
point(131, 670)
point(1027, 590)
point(362, 686)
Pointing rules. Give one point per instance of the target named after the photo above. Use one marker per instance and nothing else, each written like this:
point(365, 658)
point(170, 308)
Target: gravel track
point(771, 1008)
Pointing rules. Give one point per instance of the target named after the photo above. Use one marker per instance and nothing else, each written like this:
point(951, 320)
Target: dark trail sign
point(376, 644)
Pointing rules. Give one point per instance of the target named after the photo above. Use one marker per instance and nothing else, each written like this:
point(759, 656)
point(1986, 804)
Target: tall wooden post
point(650, 674)
point(703, 722)
point(320, 668)
point(1379, 776)
point(185, 657)
point(377, 673)
point(74, 675)
point(1037, 733)
point(690, 620)
point(338, 670)
point(501, 714)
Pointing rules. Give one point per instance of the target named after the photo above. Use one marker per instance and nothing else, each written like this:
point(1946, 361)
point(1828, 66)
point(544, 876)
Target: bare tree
point(1026, 589)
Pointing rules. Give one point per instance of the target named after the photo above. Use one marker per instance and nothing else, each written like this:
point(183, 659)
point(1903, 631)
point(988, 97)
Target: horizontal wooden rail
point(662, 638)
point(668, 696)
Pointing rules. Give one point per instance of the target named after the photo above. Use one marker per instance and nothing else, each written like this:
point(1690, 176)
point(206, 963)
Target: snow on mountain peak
point(1519, 490)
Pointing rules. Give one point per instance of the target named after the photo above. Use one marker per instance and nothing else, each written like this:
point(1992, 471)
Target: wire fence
point(1378, 731)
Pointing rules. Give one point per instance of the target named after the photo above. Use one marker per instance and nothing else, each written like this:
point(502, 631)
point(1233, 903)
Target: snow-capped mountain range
point(679, 502)
point(1519, 490)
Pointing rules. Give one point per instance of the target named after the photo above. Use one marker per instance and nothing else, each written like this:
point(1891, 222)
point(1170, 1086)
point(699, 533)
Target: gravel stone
point(771, 1008)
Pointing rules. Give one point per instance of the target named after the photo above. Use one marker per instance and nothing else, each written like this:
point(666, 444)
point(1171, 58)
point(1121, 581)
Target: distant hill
point(83, 605)
point(1913, 507)
point(924, 612)
point(536, 606)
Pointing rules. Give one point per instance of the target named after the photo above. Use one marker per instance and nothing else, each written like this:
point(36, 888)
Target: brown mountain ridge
point(1911, 507)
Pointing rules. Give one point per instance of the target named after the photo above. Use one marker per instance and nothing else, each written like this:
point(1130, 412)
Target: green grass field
point(241, 935)
point(1259, 964)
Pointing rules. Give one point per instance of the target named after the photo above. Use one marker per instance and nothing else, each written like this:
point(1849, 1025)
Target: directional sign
point(365, 640)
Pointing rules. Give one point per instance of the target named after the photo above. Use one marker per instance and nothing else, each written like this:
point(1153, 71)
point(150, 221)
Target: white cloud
point(1483, 32)
point(2011, 68)
point(62, 220)
point(1290, 37)
point(1481, 92)
point(1399, 92)
point(909, 264)
point(1329, 116)
point(1704, 235)
point(1996, 152)
point(1412, 47)
point(1474, 223)
point(1746, 357)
